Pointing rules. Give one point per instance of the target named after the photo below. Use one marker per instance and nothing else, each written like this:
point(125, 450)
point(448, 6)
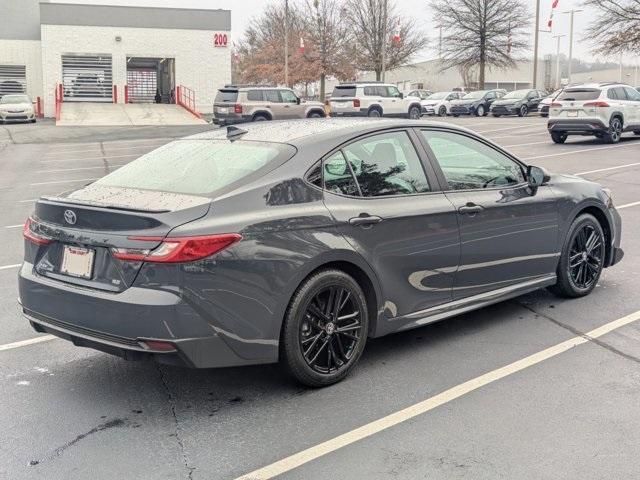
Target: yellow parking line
point(377, 426)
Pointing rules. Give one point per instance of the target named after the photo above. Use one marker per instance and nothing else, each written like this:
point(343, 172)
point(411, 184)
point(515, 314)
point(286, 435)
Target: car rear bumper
point(119, 323)
point(349, 113)
point(577, 126)
point(230, 119)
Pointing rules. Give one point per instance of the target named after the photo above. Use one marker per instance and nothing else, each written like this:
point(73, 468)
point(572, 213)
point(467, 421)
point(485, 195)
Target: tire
point(442, 111)
point(614, 133)
point(456, 116)
point(523, 111)
point(319, 333)
point(33, 121)
point(260, 117)
point(558, 137)
point(414, 113)
point(315, 115)
point(544, 115)
point(480, 111)
point(582, 259)
point(637, 132)
point(495, 114)
point(374, 112)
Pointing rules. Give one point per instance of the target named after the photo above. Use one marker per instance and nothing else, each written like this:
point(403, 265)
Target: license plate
point(572, 113)
point(77, 262)
point(223, 110)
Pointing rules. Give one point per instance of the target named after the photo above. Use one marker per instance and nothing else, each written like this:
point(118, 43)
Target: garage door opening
point(87, 78)
point(151, 80)
point(13, 79)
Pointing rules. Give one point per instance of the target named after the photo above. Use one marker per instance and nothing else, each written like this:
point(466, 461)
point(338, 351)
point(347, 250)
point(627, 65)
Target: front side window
point(632, 94)
point(386, 164)
point(393, 92)
point(468, 164)
point(288, 96)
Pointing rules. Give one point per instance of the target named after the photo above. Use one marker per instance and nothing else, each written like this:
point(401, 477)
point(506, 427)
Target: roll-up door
point(143, 84)
point(13, 79)
point(87, 78)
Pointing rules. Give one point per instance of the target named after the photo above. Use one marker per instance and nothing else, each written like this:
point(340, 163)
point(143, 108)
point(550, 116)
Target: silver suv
point(372, 99)
point(238, 104)
point(604, 110)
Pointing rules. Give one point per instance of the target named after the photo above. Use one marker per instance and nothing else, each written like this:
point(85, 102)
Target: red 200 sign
point(220, 39)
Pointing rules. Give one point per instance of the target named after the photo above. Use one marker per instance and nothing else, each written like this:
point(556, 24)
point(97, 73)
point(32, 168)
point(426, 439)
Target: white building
point(97, 51)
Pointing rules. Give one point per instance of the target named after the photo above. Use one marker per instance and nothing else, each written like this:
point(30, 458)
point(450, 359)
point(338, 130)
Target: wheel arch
point(263, 113)
point(619, 114)
point(376, 106)
point(599, 214)
point(414, 104)
point(316, 110)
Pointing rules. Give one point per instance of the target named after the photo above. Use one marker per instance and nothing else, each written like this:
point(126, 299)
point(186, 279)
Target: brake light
point(237, 108)
point(555, 105)
point(356, 102)
point(28, 234)
point(596, 104)
point(178, 249)
point(158, 345)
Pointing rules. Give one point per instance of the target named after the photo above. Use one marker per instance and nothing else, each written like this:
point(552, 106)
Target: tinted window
point(338, 177)
point(272, 96)
point(226, 96)
point(255, 96)
point(314, 176)
point(470, 164)
point(197, 167)
point(346, 91)
point(579, 94)
point(386, 164)
point(613, 94)
point(490, 95)
point(632, 94)
point(288, 96)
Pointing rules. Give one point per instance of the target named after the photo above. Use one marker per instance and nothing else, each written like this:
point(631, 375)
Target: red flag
point(301, 45)
point(554, 5)
point(396, 34)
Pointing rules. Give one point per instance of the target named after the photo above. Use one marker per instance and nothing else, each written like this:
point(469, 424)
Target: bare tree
point(617, 27)
point(373, 23)
point(481, 33)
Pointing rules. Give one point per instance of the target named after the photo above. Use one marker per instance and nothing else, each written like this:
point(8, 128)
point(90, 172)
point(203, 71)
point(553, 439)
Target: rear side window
point(255, 96)
point(198, 167)
point(226, 96)
point(370, 91)
point(272, 96)
point(348, 91)
point(579, 94)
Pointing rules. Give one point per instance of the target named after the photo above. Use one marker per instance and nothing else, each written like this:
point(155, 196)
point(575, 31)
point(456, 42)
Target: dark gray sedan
point(296, 241)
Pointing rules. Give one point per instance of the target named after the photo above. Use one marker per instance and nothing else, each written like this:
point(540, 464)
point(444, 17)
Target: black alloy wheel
point(523, 111)
point(442, 111)
point(558, 137)
point(614, 133)
point(325, 329)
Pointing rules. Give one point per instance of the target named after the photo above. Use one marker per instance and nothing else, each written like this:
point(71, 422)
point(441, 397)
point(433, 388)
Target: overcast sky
point(243, 10)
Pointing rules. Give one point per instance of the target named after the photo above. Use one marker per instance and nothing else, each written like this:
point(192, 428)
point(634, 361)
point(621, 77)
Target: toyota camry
point(296, 241)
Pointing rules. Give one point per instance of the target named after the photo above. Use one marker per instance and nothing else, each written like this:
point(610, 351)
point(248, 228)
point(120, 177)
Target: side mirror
point(337, 167)
point(401, 95)
point(298, 100)
point(537, 176)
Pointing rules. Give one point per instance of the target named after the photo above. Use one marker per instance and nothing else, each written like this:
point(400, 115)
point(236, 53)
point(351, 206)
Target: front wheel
point(442, 111)
point(582, 258)
point(558, 137)
point(414, 113)
point(325, 329)
point(523, 111)
point(614, 132)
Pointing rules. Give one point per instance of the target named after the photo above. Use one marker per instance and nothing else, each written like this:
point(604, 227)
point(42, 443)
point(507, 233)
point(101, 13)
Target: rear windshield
point(349, 91)
point(579, 94)
point(226, 96)
point(199, 167)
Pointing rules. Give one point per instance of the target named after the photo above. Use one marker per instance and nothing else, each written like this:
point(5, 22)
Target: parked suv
point(475, 103)
point(517, 102)
point(605, 110)
point(237, 104)
point(372, 99)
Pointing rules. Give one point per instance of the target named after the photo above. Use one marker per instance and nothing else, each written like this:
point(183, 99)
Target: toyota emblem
point(70, 217)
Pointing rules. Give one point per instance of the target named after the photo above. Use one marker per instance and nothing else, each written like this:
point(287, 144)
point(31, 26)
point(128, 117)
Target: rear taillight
point(28, 234)
point(356, 102)
point(596, 104)
point(158, 345)
point(555, 105)
point(237, 108)
point(178, 249)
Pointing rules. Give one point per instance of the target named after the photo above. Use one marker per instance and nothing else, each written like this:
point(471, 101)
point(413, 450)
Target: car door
point(395, 101)
point(508, 231)
point(633, 106)
point(289, 104)
point(489, 98)
point(533, 99)
point(387, 205)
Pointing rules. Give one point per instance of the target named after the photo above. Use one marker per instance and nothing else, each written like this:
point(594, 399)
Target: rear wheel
point(456, 116)
point(315, 115)
point(480, 111)
point(442, 111)
point(523, 111)
point(325, 329)
point(582, 258)
point(260, 118)
point(374, 112)
point(558, 137)
point(414, 113)
point(614, 132)
point(495, 114)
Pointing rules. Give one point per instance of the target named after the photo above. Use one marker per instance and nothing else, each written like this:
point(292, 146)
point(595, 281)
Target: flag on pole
point(301, 45)
point(554, 5)
point(396, 34)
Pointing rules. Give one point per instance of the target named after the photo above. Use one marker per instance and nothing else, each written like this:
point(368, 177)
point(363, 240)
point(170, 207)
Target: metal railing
point(186, 98)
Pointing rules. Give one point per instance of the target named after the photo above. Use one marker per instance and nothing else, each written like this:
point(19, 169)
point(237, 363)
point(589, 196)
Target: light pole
point(535, 46)
point(385, 6)
point(558, 60)
point(286, 43)
point(571, 13)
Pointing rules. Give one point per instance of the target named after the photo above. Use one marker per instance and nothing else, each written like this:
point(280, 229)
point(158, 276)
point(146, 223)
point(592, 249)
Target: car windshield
point(198, 167)
point(8, 99)
point(516, 95)
point(579, 94)
point(438, 96)
point(474, 95)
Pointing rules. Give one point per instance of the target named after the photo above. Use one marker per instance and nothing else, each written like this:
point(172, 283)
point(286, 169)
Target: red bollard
point(115, 94)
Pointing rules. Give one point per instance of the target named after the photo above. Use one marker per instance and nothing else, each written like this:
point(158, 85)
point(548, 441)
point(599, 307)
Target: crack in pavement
point(172, 405)
point(578, 333)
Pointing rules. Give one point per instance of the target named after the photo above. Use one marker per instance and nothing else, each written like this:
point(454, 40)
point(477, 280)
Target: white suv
point(601, 109)
point(372, 99)
point(439, 103)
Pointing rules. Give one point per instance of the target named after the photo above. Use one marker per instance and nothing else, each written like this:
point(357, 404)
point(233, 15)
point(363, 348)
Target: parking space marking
point(384, 423)
point(520, 135)
point(62, 181)
point(24, 343)
point(508, 128)
point(627, 205)
point(608, 168)
point(28, 200)
point(14, 226)
point(101, 157)
point(99, 167)
point(571, 152)
point(8, 267)
point(524, 144)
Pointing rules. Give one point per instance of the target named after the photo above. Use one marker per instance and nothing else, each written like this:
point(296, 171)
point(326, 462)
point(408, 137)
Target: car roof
point(596, 85)
point(304, 131)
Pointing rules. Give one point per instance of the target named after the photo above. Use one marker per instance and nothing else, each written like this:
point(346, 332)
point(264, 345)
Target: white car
point(439, 103)
point(16, 108)
point(546, 102)
point(604, 110)
point(372, 99)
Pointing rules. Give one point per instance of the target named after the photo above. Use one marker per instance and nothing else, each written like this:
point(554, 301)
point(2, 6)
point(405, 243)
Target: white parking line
point(524, 144)
point(100, 167)
point(102, 157)
point(608, 168)
point(14, 226)
point(571, 152)
point(63, 181)
point(520, 135)
point(24, 343)
point(627, 205)
point(28, 200)
point(8, 267)
point(509, 128)
point(377, 426)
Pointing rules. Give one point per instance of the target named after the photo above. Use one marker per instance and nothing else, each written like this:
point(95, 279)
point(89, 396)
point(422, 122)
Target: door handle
point(470, 209)
point(365, 219)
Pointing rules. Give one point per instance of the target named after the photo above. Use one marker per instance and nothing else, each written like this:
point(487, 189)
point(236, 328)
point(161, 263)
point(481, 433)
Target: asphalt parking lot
point(536, 387)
